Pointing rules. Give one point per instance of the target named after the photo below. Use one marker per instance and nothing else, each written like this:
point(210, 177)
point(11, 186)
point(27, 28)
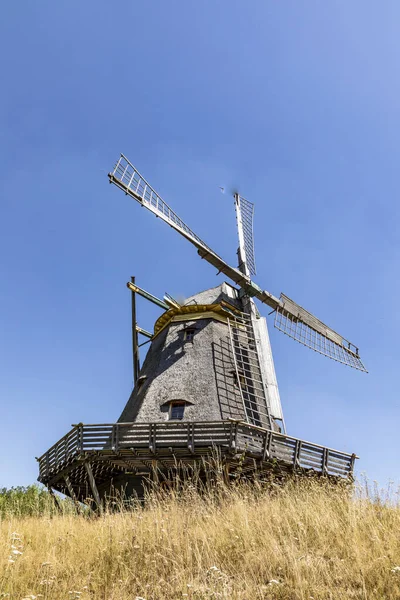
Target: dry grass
point(300, 542)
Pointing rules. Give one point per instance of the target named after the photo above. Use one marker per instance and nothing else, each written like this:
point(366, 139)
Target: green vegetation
point(30, 501)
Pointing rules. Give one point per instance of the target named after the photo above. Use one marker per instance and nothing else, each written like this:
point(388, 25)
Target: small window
point(176, 411)
point(188, 334)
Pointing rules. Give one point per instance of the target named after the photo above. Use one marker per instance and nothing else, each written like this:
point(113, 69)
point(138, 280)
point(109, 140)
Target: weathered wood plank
point(92, 484)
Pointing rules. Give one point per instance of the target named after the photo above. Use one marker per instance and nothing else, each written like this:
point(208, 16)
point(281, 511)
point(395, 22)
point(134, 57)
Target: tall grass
point(303, 541)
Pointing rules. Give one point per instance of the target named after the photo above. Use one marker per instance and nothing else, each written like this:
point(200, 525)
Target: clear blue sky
point(295, 102)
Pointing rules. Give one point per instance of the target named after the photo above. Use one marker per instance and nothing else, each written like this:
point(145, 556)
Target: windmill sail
point(302, 326)
point(246, 210)
point(127, 178)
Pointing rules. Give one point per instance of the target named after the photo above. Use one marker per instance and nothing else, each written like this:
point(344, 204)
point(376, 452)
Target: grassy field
point(304, 541)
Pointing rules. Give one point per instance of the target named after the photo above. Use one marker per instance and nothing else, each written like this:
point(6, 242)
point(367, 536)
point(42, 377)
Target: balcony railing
point(232, 436)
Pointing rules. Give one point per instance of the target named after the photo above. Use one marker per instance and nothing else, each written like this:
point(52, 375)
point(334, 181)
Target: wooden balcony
point(107, 451)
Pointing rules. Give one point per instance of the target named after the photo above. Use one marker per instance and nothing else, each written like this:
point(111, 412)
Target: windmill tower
point(208, 378)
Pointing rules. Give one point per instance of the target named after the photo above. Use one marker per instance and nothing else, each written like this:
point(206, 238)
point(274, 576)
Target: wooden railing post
point(298, 458)
point(269, 443)
point(352, 461)
point(325, 457)
point(190, 437)
point(297, 451)
point(80, 437)
point(265, 451)
point(232, 436)
point(116, 438)
point(152, 435)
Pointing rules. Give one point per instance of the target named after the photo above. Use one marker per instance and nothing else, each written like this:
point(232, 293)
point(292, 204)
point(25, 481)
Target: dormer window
point(188, 334)
point(176, 411)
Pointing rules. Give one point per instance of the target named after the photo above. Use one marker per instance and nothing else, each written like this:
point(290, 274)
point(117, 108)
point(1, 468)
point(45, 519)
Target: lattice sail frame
point(319, 338)
point(128, 178)
point(247, 214)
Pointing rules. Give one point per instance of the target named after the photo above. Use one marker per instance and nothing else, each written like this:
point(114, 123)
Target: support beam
point(55, 498)
point(93, 485)
point(144, 332)
point(135, 288)
point(135, 337)
point(72, 492)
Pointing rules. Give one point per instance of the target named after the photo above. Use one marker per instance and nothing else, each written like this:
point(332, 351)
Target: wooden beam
point(93, 485)
point(55, 498)
point(72, 492)
point(135, 339)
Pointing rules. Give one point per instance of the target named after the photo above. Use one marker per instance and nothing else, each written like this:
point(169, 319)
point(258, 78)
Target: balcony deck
point(100, 453)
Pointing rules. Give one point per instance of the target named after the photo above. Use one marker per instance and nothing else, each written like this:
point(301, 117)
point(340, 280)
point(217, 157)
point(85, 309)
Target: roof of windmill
point(224, 291)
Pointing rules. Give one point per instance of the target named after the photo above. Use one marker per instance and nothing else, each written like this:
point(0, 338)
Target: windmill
point(208, 379)
point(264, 406)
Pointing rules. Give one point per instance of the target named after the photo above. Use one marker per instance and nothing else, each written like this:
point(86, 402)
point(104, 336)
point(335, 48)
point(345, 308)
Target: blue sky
point(295, 103)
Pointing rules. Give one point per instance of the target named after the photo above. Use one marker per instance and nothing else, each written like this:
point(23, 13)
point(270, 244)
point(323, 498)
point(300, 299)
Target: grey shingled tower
point(204, 362)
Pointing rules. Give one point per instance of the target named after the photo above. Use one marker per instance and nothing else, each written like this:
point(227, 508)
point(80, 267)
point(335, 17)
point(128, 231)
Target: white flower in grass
point(274, 582)
point(10, 560)
point(16, 552)
point(395, 569)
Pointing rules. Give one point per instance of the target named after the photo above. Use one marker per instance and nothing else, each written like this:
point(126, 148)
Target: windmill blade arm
point(304, 327)
point(127, 178)
point(237, 276)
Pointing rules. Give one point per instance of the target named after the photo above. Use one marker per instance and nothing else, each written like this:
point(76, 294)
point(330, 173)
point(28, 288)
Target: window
point(176, 411)
point(188, 334)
